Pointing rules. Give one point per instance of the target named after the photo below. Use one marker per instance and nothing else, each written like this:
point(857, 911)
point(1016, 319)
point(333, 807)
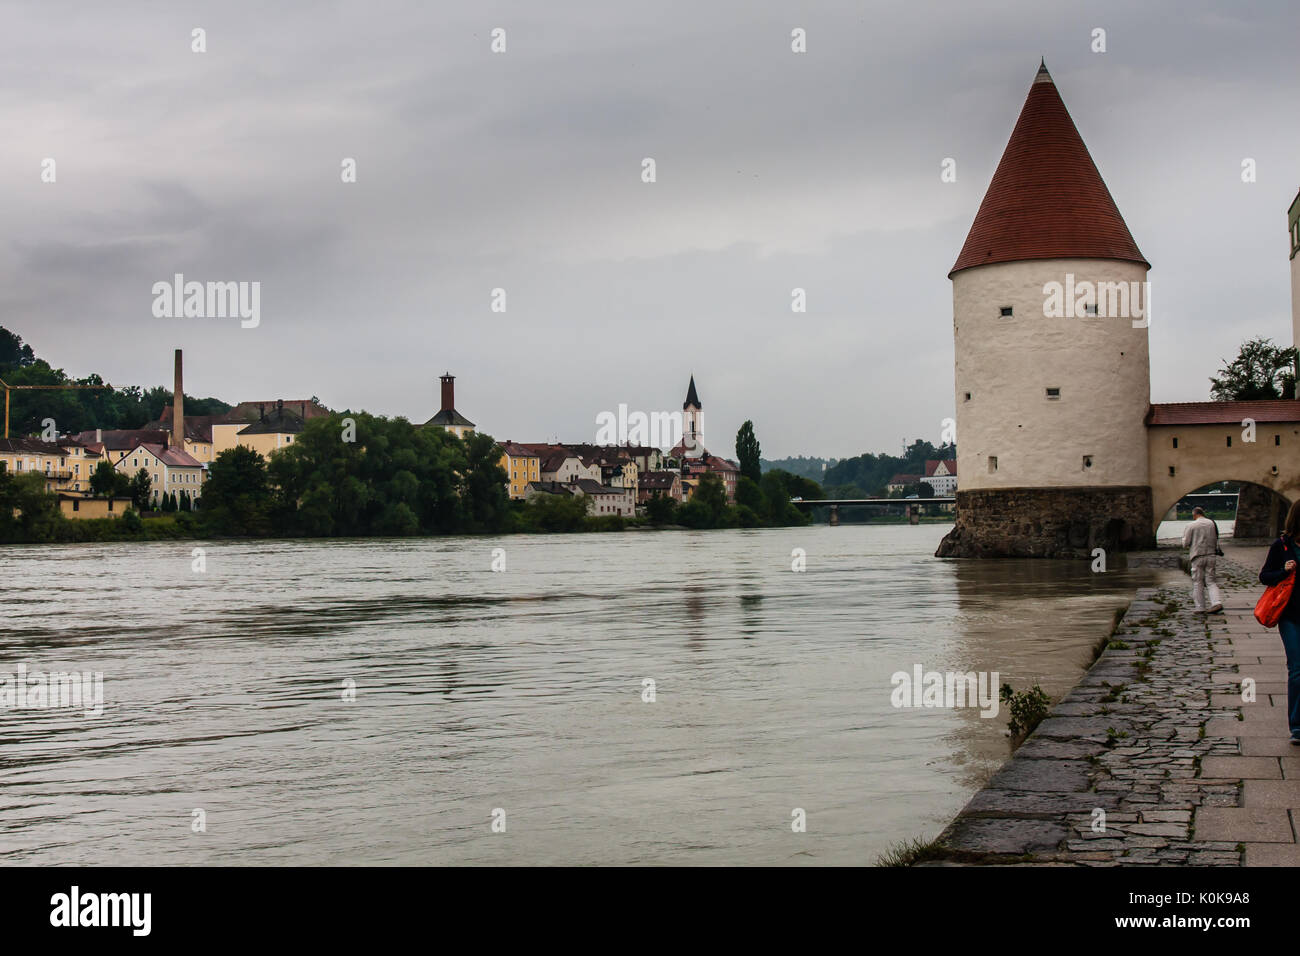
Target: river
point(227, 735)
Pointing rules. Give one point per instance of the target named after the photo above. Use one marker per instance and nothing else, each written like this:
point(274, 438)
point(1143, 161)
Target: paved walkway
point(1264, 764)
point(1155, 758)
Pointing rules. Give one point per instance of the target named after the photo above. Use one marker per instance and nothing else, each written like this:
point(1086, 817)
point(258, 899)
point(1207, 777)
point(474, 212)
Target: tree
point(236, 496)
point(750, 495)
point(660, 509)
point(139, 489)
point(712, 494)
point(27, 511)
point(1261, 370)
point(749, 452)
point(13, 353)
point(104, 479)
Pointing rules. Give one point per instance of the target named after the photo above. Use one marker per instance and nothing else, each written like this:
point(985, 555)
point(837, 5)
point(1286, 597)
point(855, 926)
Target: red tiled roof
point(1047, 200)
point(516, 450)
point(902, 479)
point(170, 455)
point(931, 464)
point(1223, 413)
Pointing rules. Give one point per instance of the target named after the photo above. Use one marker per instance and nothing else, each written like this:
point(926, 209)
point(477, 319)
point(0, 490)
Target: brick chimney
point(448, 391)
point(178, 406)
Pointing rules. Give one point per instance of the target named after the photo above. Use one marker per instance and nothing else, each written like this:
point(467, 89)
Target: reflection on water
point(519, 690)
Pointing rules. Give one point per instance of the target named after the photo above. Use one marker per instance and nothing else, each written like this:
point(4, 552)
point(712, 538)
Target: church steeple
point(692, 424)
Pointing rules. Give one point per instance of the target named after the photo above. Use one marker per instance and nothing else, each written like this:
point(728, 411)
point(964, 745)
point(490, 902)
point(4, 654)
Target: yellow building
point(273, 431)
point(83, 506)
point(22, 456)
point(522, 465)
point(262, 426)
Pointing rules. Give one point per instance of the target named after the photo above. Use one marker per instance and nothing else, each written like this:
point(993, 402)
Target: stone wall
point(1049, 522)
point(1260, 512)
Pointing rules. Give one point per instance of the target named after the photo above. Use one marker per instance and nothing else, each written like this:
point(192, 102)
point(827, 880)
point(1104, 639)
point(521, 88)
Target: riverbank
point(1154, 758)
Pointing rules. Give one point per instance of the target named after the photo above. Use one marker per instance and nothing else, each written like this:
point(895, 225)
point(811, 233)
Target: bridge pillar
point(835, 515)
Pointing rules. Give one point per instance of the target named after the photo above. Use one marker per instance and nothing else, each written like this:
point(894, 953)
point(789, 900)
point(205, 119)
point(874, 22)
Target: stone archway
point(1259, 512)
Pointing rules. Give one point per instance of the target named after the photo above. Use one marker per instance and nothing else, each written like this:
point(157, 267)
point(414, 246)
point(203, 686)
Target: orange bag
point(1269, 607)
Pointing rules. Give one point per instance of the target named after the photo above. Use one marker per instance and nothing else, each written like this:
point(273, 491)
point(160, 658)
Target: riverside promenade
point(1171, 751)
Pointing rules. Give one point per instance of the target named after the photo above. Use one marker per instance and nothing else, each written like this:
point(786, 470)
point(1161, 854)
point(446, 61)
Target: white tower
point(1050, 343)
point(692, 424)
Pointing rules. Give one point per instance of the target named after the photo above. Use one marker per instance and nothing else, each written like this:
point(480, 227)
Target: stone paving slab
point(1154, 758)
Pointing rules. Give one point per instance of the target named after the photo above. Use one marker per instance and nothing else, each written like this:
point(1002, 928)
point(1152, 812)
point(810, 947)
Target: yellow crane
point(13, 388)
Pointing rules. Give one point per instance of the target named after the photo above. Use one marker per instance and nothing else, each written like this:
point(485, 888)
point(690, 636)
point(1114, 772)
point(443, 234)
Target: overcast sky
point(522, 171)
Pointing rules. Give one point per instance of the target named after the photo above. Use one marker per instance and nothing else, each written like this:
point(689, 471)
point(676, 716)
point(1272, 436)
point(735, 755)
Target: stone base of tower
point(1049, 522)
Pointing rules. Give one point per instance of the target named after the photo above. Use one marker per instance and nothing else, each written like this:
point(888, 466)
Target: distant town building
point(601, 499)
point(665, 484)
point(170, 470)
point(941, 476)
point(901, 482)
point(522, 465)
point(448, 418)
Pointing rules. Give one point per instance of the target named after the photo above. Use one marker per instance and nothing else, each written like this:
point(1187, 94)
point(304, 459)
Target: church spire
point(692, 399)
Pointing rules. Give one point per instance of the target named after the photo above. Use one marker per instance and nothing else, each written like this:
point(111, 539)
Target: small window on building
point(968, 396)
point(110, 504)
point(1090, 309)
point(1005, 311)
point(1087, 461)
point(1171, 471)
point(1175, 442)
point(1229, 441)
point(76, 505)
point(993, 463)
point(1053, 393)
point(1277, 440)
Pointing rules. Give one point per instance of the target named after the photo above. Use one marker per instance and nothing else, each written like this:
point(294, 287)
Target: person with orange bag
point(1281, 563)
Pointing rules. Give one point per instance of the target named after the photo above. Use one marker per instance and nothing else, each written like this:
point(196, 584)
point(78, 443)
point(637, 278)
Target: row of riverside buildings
point(614, 479)
point(619, 479)
point(175, 459)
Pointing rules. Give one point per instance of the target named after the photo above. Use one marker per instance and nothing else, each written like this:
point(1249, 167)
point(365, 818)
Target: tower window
point(1053, 393)
point(1087, 461)
point(1005, 311)
point(1229, 441)
point(968, 396)
point(1090, 309)
point(1175, 442)
point(1171, 471)
point(993, 464)
point(1277, 439)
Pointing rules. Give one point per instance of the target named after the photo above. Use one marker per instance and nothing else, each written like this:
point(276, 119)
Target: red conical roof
point(1046, 200)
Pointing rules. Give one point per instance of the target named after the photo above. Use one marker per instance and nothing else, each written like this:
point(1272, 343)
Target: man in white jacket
point(1202, 540)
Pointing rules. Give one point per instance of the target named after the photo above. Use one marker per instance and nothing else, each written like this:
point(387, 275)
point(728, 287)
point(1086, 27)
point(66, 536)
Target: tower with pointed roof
point(1052, 386)
point(692, 424)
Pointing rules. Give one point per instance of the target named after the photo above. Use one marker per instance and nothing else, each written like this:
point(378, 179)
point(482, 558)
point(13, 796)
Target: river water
point(520, 691)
